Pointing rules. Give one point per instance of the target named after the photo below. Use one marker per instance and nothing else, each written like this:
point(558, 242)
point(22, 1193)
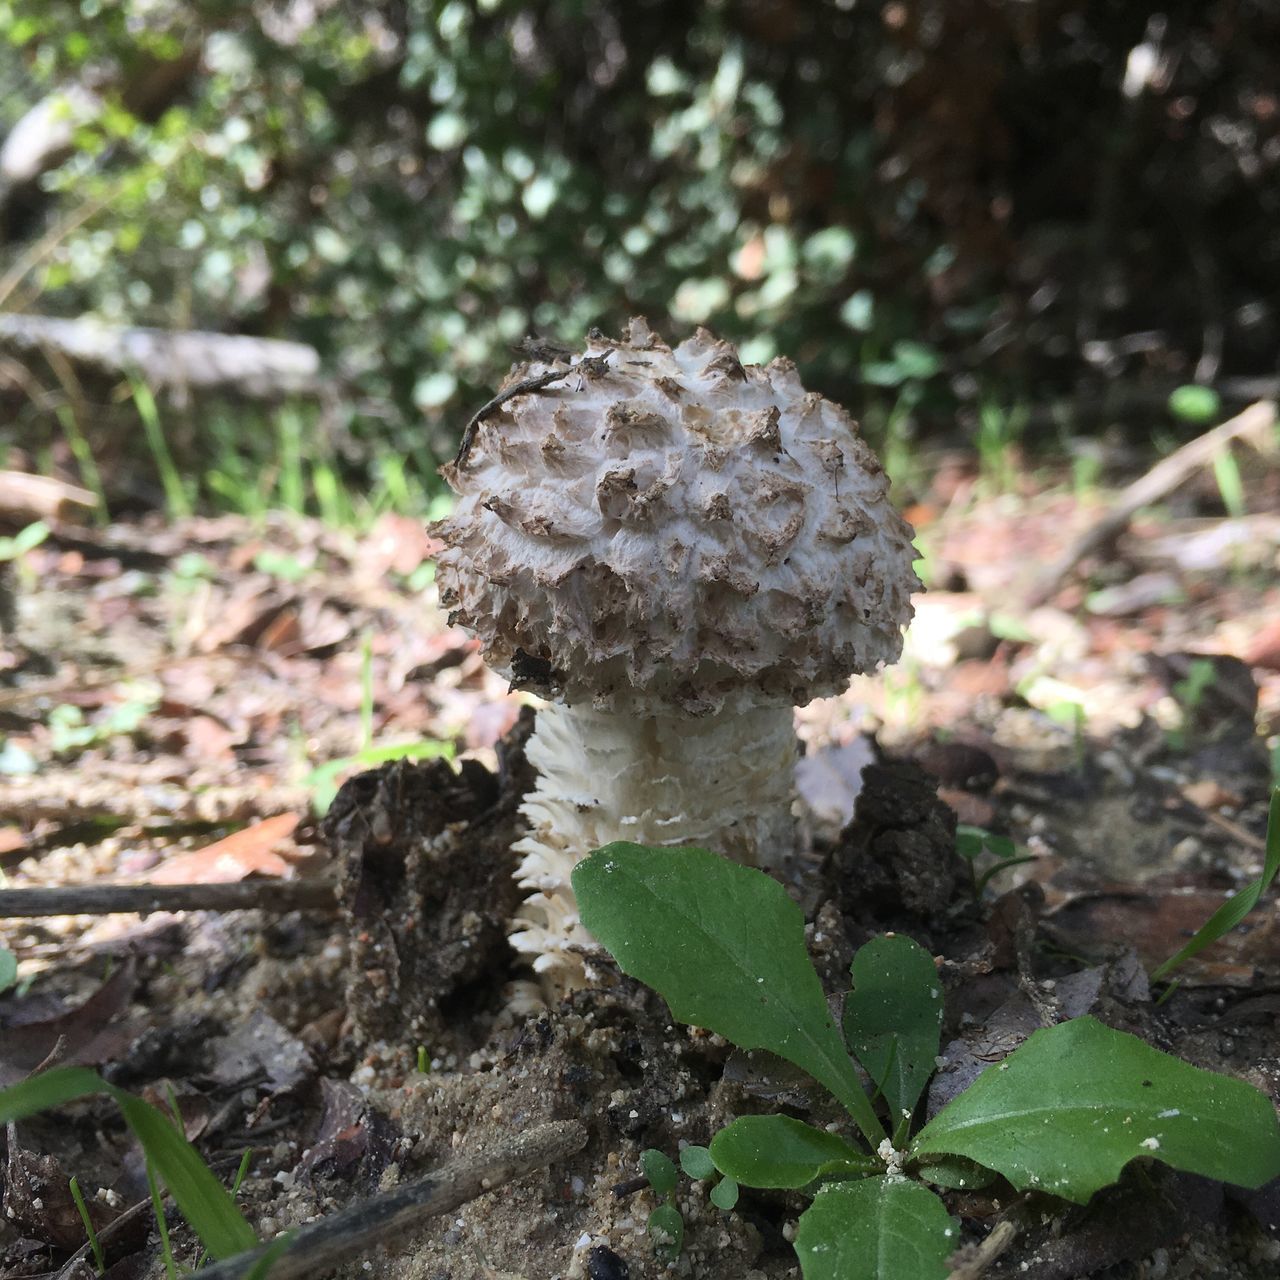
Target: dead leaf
point(247, 852)
point(257, 1048)
point(1159, 924)
point(89, 1032)
point(1211, 795)
point(38, 1200)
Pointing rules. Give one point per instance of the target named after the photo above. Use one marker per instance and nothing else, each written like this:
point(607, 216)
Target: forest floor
point(180, 701)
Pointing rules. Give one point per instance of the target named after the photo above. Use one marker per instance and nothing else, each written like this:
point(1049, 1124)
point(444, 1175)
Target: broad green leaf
point(1066, 1111)
point(886, 1228)
point(777, 1151)
point(893, 1018)
point(1239, 904)
point(955, 1173)
point(724, 945)
point(8, 969)
point(204, 1201)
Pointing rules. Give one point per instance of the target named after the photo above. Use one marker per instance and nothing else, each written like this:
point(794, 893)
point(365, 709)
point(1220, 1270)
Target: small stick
point(1158, 483)
point(115, 899)
point(987, 1253)
point(588, 364)
point(320, 1246)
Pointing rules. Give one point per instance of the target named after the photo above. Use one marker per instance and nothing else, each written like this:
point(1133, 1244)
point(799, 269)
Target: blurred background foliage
point(1044, 215)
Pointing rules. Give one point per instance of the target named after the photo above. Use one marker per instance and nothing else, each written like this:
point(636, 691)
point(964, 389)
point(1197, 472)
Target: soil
point(211, 666)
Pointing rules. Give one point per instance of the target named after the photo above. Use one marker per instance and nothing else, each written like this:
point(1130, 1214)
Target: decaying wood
point(24, 498)
point(1158, 483)
point(114, 899)
point(320, 1246)
point(262, 368)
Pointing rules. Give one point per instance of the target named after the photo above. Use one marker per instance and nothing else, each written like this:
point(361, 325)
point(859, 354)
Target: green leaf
point(776, 1151)
point(724, 1195)
point(1066, 1111)
point(1195, 404)
point(971, 842)
point(666, 1227)
point(261, 1269)
point(955, 1173)
point(880, 1229)
point(8, 969)
point(893, 1018)
point(203, 1200)
point(697, 1163)
point(30, 537)
point(724, 945)
point(660, 1171)
point(50, 1089)
point(914, 360)
point(1239, 904)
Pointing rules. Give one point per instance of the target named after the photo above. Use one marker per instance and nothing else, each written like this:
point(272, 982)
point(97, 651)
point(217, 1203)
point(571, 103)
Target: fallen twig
point(1158, 483)
point(987, 1253)
point(260, 368)
point(588, 364)
point(24, 497)
point(320, 1246)
point(113, 899)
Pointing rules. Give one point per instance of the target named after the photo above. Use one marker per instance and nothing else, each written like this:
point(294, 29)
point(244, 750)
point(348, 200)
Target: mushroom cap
point(663, 528)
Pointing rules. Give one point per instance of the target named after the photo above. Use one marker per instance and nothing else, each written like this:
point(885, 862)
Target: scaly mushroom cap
point(664, 528)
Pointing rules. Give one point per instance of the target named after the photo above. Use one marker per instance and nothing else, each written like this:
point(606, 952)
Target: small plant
point(973, 842)
point(26, 539)
point(71, 732)
point(323, 782)
point(1062, 1114)
point(1239, 904)
point(666, 1224)
point(171, 1159)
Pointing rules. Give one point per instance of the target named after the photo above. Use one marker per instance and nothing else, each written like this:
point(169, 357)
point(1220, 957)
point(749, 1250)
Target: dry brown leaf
point(246, 852)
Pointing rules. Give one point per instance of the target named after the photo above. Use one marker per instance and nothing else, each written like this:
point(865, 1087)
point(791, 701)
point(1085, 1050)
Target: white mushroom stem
point(724, 782)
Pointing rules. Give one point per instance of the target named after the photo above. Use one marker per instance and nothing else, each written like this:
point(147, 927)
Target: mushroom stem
point(723, 781)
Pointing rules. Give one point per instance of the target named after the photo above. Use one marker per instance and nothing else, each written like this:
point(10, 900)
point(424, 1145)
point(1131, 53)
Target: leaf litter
point(256, 653)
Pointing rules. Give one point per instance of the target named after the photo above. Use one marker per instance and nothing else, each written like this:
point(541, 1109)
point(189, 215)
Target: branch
point(261, 368)
point(320, 1246)
point(1158, 483)
point(588, 364)
point(113, 899)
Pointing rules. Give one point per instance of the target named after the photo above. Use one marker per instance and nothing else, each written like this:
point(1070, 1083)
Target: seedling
point(973, 842)
point(1239, 904)
point(697, 1164)
point(99, 1258)
point(322, 781)
point(26, 539)
point(666, 1225)
point(1063, 1114)
point(71, 732)
point(171, 1159)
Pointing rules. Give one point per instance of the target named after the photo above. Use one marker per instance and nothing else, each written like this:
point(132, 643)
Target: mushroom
point(674, 550)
